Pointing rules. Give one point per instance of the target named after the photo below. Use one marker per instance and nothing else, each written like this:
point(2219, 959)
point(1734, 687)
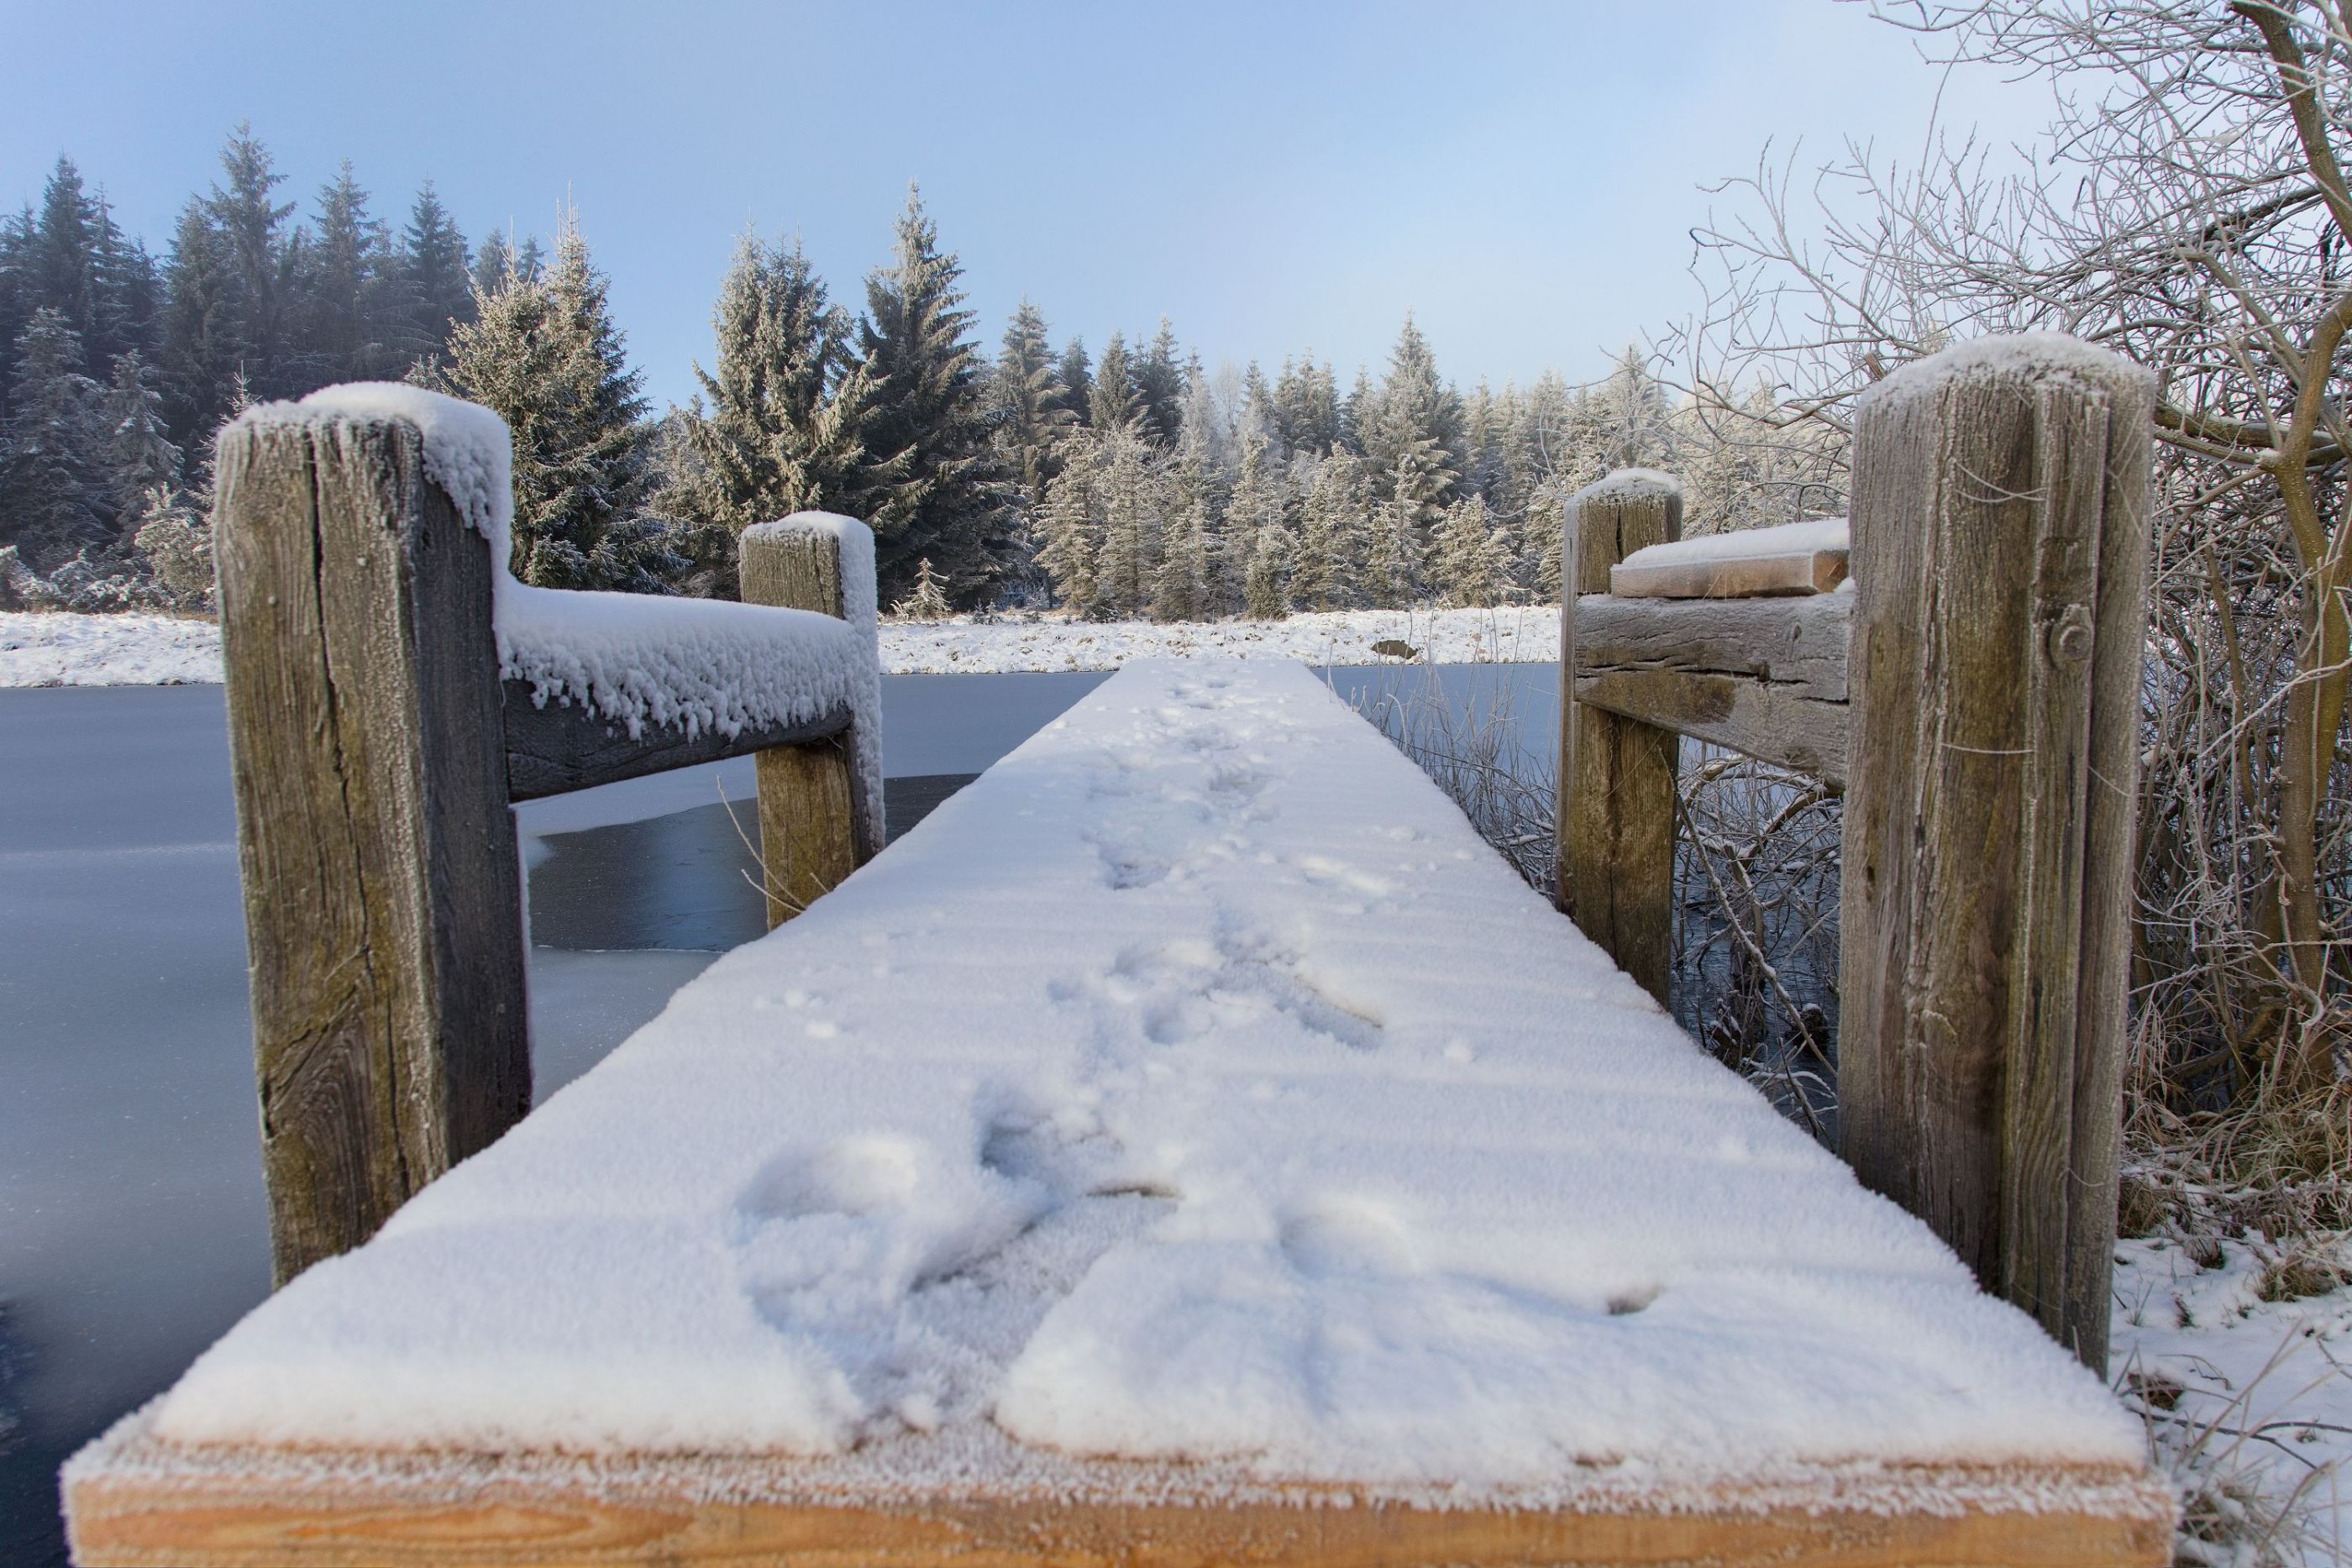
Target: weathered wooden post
point(2001, 502)
point(383, 893)
point(1616, 814)
point(815, 823)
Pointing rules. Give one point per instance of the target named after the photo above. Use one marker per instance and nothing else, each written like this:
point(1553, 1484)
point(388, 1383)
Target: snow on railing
point(393, 690)
point(1975, 695)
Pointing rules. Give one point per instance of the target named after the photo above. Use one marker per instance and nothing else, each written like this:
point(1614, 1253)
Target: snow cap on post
point(1627, 483)
point(467, 450)
point(2017, 356)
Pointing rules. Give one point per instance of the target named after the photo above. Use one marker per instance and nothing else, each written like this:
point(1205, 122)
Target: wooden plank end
point(1739, 577)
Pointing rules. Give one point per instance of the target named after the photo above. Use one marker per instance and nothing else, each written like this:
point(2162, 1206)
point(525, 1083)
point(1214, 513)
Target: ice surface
point(1746, 544)
point(1195, 1083)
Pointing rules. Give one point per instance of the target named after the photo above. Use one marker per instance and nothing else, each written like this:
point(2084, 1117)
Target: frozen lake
point(132, 1230)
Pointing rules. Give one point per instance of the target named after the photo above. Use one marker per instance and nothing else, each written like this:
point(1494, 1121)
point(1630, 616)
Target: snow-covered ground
point(2263, 1389)
point(58, 649)
point(46, 649)
point(1194, 1085)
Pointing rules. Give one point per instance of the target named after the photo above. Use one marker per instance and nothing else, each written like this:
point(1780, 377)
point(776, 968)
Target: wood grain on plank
point(257, 1522)
point(1799, 643)
point(383, 889)
point(1759, 717)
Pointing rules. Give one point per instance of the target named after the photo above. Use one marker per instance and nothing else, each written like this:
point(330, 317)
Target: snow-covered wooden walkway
point(1191, 1143)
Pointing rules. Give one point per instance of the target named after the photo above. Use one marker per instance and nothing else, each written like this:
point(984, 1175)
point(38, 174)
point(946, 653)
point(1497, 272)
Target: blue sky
point(1523, 177)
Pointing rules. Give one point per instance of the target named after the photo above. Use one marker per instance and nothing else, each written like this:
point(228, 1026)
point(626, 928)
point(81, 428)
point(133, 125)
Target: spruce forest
point(1127, 482)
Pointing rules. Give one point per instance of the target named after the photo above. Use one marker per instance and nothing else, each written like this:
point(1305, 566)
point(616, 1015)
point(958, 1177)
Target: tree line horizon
point(1131, 481)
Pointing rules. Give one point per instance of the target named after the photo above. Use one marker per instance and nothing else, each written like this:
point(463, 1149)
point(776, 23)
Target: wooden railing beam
point(555, 749)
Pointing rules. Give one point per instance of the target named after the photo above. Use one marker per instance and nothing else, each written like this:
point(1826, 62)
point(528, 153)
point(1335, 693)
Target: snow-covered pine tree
point(264, 257)
point(1070, 541)
point(1357, 411)
point(1160, 380)
point(139, 456)
point(1267, 592)
point(203, 345)
point(1486, 470)
point(350, 321)
point(1410, 498)
point(1306, 406)
point(1200, 482)
point(1127, 491)
point(1411, 431)
point(1328, 569)
point(784, 427)
point(942, 496)
point(1074, 383)
point(1257, 525)
point(1179, 585)
point(1030, 418)
point(1112, 402)
point(70, 257)
point(544, 355)
point(436, 286)
point(1473, 564)
point(53, 499)
point(928, 600)
point(1540, 462)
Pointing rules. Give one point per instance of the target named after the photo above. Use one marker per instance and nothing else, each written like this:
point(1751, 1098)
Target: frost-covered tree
point(433, 269)
point(782, 426)
point(1025, 392)
point(1128, 492)
point(544, 355)
point(1069, 535)
point(1473, 561)
point(1074, 383)
point(1261, 545)
point(928, 600)
point(1306, 406)
point(265, 259)
point(351, 325)
point(1267, 592)
point(1159, 378)
point(1112, 402)
point(139, 455)
point(1181, 584)
point(1334, 539)
point(938, 490)
point(203, 348)
point(53, 499)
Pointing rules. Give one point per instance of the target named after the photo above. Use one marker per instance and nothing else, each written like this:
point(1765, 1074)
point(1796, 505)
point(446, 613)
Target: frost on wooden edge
point(634, 659)
point(2022, 356)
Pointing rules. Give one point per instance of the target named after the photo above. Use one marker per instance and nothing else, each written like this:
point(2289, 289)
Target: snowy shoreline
point(58, 648)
